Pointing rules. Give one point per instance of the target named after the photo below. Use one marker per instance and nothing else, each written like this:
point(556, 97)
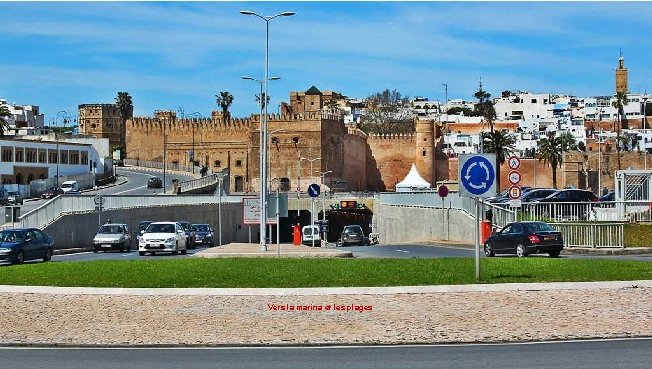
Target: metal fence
point(593, 235)
point(501, 215)
point(77, 204)
point(159, 165)
point(604, 211)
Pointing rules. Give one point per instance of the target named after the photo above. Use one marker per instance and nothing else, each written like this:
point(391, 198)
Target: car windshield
point(352, 229)
point(539, 227)
point(106, 229)
point(310, 230)
point(160, 228)
point(13, 193)
point(12, 236)
point(68, 185)
point(201, 228)
point(143, 225)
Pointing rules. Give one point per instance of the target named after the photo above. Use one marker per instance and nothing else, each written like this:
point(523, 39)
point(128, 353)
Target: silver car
point(112, 236)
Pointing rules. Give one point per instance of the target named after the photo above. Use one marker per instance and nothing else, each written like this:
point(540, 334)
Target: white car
point(163, 237)
point(310, 236)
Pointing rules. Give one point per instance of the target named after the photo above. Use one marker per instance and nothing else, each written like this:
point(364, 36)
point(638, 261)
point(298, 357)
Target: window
point(84, 157)
point(423, 153)
point(63, 156)
point(30, 155)
point(238, 163)
point(217, 163)
point(7, 154)
point(534, 101)
point(74, 157)
point(20, 155)
point(42, 156)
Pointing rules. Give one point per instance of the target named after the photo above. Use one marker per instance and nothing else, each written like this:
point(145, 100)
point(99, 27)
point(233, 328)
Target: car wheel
point(176, 249)
point(520, 250)
point(489, 249)
point(141, 253)
point(48, 255)
point(184, 251)
point(553, 254)
point(95, 249)
point(122, 247)
point(20, 258)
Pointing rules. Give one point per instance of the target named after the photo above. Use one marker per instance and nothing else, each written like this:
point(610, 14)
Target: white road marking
point(405, 251)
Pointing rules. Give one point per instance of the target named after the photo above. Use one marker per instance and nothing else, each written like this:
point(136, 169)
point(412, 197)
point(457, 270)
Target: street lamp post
point(600, 153)
point(263, 195)
point(323, 203)
point(198, 116)
point(312, 202)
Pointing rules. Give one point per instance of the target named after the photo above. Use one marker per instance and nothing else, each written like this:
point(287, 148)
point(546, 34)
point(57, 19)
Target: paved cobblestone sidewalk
point(441, 317)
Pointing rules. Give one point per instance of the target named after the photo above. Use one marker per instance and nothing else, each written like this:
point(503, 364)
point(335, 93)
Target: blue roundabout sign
point(477, 175)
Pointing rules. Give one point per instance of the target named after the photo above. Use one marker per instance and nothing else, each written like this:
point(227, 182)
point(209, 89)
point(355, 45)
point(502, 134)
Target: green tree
point(126, 108)
point(4, 122)
point(551, 150)
point(224, 100)
point(388, 112)
point(619, 104)
point(458, 109)
point(500, 143)
point(259, 101)
point(484, 107)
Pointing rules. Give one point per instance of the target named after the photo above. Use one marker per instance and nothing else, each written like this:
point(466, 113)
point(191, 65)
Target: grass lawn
point(638, 235)
point(251, 272)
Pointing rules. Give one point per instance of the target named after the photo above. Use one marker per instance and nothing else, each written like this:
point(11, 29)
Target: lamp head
point(247, 77)
point(247, 12)
point(287, 14)
point(274, 78)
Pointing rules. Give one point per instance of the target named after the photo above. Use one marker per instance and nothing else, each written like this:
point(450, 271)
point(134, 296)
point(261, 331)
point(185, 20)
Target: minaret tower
point(621, 75)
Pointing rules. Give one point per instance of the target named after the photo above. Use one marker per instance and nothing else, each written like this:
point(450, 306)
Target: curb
point(566, 251)
point(320, 291)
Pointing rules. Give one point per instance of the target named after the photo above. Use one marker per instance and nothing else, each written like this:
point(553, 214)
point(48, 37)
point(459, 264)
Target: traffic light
point(348, 204)
point(360, 206)
point(335, 206)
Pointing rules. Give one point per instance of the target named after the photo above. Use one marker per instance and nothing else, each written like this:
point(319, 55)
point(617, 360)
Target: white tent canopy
point(413, 181)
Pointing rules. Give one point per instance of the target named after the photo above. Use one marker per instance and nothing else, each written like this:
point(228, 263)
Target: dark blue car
point(20, 244)
point(203, 234)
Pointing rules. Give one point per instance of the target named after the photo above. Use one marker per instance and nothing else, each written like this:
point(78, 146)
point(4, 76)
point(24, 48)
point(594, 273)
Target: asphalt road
point(136, 185)
point(598, 354)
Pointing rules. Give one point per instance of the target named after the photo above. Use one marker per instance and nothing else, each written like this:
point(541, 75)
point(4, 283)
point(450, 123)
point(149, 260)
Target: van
point(310, 234)
point(70, 187)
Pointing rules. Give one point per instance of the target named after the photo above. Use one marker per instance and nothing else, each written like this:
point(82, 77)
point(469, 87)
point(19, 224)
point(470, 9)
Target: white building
point(22, 161)
point(24, 115)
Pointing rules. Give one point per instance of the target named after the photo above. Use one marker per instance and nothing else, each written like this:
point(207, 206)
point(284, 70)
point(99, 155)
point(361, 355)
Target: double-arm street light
point(324, 241)
point(263, 171)
point(195, 115)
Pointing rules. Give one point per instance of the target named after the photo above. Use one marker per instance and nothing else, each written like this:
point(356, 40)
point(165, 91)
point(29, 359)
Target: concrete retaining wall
point(78, 230)
point(401, 224)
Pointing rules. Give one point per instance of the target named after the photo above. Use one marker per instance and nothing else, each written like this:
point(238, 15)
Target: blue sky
point(171, 55)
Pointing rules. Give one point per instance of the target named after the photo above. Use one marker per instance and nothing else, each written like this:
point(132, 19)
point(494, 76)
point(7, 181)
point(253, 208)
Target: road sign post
point(313, 192)
point(442, 191)
point(477, 178)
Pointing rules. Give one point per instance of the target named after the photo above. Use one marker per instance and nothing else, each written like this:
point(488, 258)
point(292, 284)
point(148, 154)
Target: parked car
point(503, 197)
point(154, 182)
point(537, 194)
point(112, 236)
point(352, 235)
point(204, 234)
point(70, 187)
point(567, 203)
point(190, 234)
point(310, 234)
point(142, 226)
point(163, 237)
point(611, 196)
point(21, 244)
point(524, 238)
point(14, 198)
point(52, 192)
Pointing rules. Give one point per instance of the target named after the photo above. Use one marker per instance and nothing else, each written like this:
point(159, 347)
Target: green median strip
point(266, 273)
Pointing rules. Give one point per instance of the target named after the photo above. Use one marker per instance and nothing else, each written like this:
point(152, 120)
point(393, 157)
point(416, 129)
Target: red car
point(52, 192)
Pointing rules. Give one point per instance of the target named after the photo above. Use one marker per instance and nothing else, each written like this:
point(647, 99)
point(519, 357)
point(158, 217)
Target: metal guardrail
point(593, 235)
point(604, 211)
point(78, 204)
point(197, 183)
point(159, 165)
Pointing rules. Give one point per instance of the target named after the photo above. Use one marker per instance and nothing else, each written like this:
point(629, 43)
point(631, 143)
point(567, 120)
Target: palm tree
point(551, 150)
point(126, 108)
point(619, 104)
point(4, 123)
point(500, 143)
point(262, 104)
point(485, 107)
point(224, 100)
